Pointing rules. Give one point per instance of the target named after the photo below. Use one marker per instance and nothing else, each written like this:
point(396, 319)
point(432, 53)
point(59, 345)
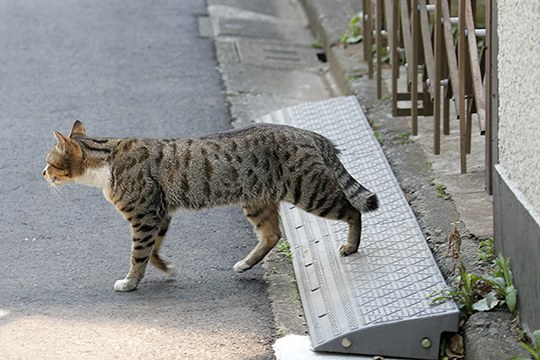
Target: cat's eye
point(56, 167)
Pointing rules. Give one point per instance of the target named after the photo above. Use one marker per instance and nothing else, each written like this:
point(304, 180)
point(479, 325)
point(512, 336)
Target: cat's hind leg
point(157, 260)
point(336, 206)
point(265, 220)
point(354, 219)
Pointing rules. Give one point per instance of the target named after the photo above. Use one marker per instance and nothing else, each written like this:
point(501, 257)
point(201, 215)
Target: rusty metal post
point(475, 77)
point(414, 64)
point(489, 104)
point(445, 74)
point(446, 115)
point(469, 102)
point(395, 56)
point(379, 40)
point(450, 50)
point(462, 49)
point(437, 78)
point(365, 29)
point(368, 37)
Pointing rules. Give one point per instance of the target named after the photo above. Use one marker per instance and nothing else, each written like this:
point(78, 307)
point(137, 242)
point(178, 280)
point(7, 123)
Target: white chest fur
point(98, 177)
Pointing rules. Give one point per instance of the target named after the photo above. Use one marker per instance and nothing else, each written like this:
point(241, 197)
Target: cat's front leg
point(143, 239)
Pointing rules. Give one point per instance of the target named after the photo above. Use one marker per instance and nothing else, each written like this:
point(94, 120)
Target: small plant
point(283, 247)
point(316, 45)
point(502, 290)
point(385, 55)
point(533, 349)
point(379, 137)
point(501, 281)
point(465, 294)
point(454, 245)
point(387, 97)
point(487, 251)
point(353, 34)
point(405, 138)
point(441, 192)
point(482, 293)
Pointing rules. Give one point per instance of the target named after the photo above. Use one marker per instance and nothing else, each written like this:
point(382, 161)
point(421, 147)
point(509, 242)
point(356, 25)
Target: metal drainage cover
point(269, 54)
point(262, 30)
point(374, 302)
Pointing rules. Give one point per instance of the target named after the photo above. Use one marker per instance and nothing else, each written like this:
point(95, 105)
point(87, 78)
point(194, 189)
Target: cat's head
point(65, 161)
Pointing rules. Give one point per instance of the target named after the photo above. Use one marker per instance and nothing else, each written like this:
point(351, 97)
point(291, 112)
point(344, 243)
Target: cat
point(257, 167)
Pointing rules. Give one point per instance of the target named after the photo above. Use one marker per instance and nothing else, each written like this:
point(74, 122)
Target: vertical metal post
point(365, 28)
point(369, 37)
point(446, 115)
point(489, 104)
point(446, 69)
point(462, 48)
point(414, 64)
point(469, 102)
point(395, 56)
point(451, 60)
point(437, 78)
point(378, 39)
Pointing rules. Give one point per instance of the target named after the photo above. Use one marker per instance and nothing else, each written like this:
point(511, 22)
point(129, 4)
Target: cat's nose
point(44, 171)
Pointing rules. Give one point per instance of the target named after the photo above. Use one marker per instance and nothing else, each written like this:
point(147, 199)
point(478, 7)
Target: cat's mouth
point(54, 181)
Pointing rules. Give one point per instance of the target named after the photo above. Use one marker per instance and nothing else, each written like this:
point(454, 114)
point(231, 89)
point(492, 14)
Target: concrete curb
point(328, 21)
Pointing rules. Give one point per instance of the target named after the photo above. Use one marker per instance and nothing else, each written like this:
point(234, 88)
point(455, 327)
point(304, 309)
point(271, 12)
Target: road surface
point(131, 68)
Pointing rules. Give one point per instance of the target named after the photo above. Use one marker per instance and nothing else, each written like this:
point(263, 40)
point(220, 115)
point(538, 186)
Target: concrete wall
point(519, 95)
point(516, 182)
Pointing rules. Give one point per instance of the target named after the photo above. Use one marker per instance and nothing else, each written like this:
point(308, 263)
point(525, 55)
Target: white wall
point(519, 95)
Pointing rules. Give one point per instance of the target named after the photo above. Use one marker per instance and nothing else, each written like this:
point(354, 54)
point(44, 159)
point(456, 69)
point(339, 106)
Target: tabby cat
point(257, 167)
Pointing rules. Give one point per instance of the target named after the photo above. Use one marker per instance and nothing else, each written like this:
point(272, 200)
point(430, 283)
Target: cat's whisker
point(57, 191)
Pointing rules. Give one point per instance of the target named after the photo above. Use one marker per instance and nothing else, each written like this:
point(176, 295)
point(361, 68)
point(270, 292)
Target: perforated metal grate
point(374, 302)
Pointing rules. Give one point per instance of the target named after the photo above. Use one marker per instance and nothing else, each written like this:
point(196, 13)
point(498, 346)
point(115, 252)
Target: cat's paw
point(241, 266)
point(128, 284)
point(170, 270)
point(347, 249)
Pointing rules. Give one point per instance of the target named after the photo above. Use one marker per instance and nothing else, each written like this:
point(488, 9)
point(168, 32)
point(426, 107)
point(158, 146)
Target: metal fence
point(443, 46)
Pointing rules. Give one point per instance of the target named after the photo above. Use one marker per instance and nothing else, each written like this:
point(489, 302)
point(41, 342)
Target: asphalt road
point(130, 68)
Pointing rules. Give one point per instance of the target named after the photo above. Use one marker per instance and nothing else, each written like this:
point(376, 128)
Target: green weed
point(379, 137)
point(533, 349)
point(501, 281)
point(482, 293)
point(441, 192)
point(487, 251)
point(283, 247)
point(353, 34)
point(385, 55)
point(405, 138)
point(465, 294)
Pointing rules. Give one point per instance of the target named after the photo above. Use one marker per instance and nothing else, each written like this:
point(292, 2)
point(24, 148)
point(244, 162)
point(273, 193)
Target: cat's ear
point(77, 129)
point(65, 143)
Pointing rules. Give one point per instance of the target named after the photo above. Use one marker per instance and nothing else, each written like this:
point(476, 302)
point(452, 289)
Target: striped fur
point(256, 167)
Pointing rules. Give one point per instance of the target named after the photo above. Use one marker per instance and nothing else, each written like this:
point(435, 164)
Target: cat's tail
point(359, 197)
